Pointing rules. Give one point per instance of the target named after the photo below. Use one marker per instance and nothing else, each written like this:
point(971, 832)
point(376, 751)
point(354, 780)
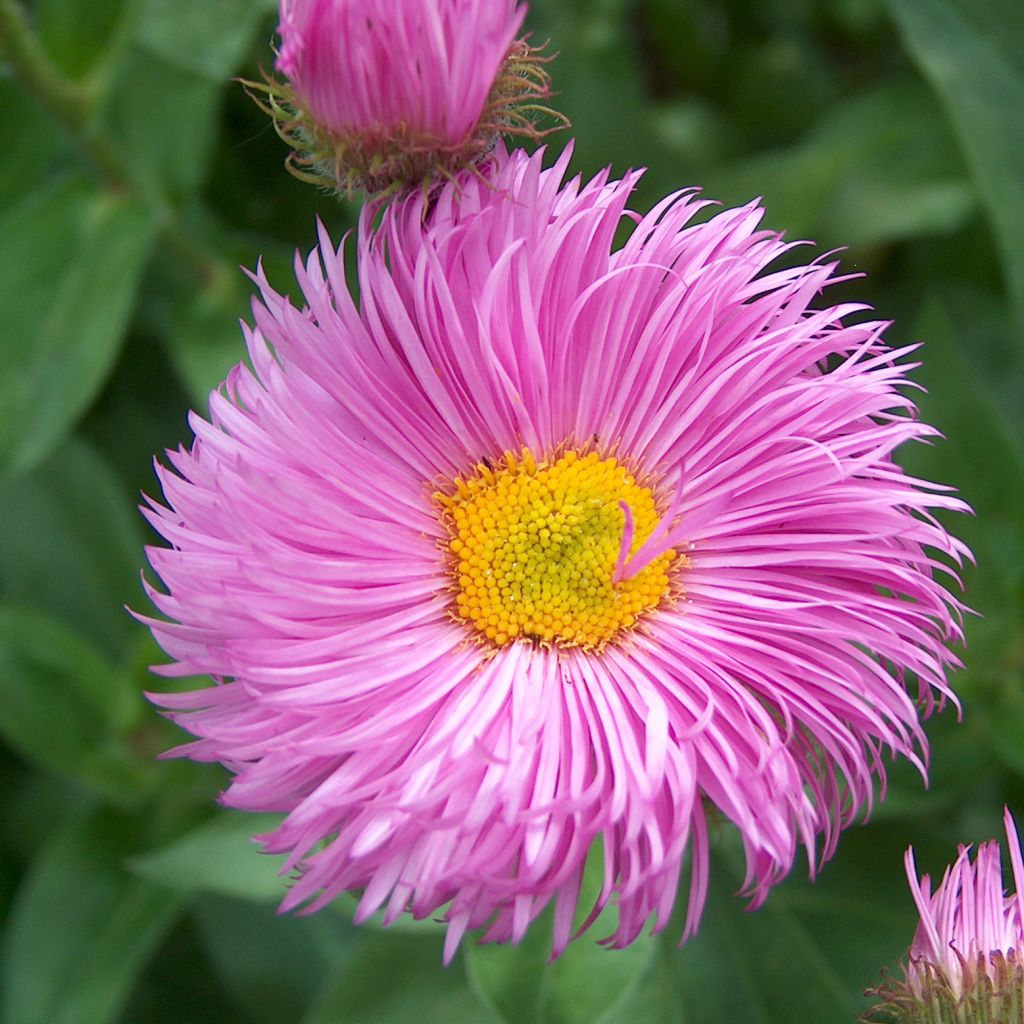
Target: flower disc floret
point(535, 549)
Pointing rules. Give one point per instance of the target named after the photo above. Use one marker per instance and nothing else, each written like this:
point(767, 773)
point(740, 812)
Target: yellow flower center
point(535, 547)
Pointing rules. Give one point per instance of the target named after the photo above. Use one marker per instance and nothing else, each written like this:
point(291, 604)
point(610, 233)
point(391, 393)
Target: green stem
point(74, 107)
point(68, 102)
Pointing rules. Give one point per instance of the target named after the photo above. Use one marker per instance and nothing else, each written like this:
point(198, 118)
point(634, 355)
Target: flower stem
point(70, 103)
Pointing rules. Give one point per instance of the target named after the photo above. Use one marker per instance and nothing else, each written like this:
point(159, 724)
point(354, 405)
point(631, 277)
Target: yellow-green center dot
point(534, 547)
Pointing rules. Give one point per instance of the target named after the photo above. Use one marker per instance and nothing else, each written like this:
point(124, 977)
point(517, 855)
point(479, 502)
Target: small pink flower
point(968, 917)
point(546, 546)
point(966, 963)
point(384, 94)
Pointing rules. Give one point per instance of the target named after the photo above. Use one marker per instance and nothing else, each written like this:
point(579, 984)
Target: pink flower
point(967, 919)
point(546, 543)
point(384, 94)
point(966, 962)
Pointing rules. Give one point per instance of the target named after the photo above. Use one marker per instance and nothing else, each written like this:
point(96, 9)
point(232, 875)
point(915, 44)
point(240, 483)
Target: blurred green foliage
point(135, 177)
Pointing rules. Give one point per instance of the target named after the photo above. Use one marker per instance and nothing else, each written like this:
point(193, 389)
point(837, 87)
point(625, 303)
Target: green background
point(135, 177)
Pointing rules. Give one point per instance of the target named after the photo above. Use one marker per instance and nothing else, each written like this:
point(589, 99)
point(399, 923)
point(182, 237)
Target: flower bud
point(966, 963)
point(384, 95)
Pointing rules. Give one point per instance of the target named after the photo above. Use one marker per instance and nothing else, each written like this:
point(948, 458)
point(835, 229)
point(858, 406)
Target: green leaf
point(208, 38)
point(33, 806)
point(71, 545)
point(961, 766)
point(878, 168)
point(591, 983)
point(274, 976)
point(201, 326)
point(984, 458)
point(142, 414)
point(399, 977)
point(81, 930)
point(166, 97)
point(72, 256)
point(220, 857)
point(165, 115)
point(205, 338)
point(760, 968)
point(689, 41)
point(511, 979)
point(972, 52)
point(655, 998)
point(588, 983)
point(64, 707)
point(75, 33)
point(599, 80)
point(693, 132)
point(24, 131)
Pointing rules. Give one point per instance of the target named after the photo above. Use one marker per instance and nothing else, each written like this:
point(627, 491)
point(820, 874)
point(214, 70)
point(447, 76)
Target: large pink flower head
point(966, 962)
point(383, 94)
point(548, 547)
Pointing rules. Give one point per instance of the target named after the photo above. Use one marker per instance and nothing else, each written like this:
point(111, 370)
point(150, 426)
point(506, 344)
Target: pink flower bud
point(388, 94)
point(966, 963)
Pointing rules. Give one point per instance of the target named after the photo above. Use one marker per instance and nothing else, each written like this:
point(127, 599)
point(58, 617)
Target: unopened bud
point(385, 95)
point(966, 963)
